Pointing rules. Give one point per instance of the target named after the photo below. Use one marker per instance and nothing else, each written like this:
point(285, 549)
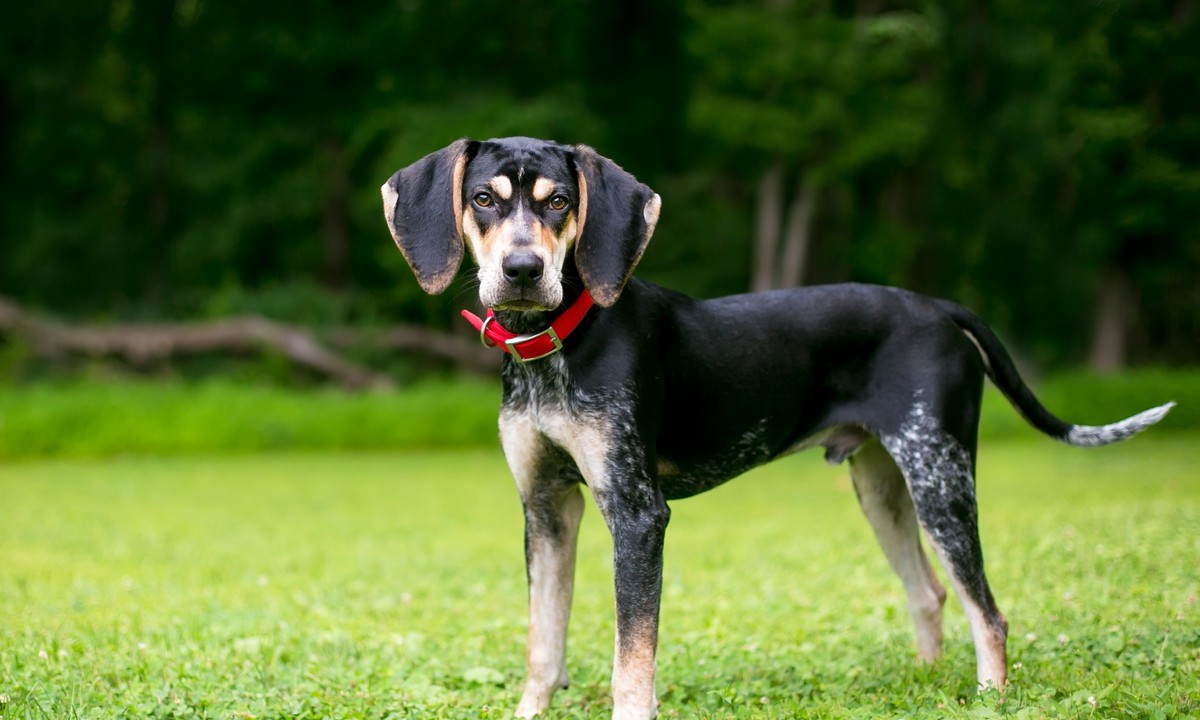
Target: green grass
point(391, 585)
point(92, 418)
point(95, 419)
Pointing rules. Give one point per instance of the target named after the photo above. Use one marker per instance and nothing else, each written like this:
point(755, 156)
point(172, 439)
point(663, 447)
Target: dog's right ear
point(423, 207)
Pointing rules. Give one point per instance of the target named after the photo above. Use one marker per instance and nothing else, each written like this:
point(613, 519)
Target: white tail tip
point(1096, 435)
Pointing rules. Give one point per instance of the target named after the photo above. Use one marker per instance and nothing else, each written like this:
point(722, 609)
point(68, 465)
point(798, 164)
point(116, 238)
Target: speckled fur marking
point(940, 476)
point(748, 451)
point(939, 472)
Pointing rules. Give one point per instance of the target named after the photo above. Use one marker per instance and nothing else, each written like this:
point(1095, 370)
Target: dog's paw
point(534, 701)
point(529, 707)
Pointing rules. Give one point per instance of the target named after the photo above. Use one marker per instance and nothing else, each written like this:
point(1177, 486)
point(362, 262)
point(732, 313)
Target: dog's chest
point(539, 396)
point(542, 421)
point(542, 403)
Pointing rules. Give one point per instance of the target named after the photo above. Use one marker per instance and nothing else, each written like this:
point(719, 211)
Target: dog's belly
point(681, 479)
point(681, 482)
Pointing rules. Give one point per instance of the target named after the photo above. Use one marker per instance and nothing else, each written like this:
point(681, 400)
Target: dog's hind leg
point(887, 504)
point(939, 471)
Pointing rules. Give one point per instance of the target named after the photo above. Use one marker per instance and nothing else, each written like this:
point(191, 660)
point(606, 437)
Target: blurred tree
point(1039, 162)
point(810, 91)
point(1134, 125)
point(1069, 145)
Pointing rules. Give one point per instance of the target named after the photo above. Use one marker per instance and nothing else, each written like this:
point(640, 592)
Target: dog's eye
point(558, 202)
point(483, 199)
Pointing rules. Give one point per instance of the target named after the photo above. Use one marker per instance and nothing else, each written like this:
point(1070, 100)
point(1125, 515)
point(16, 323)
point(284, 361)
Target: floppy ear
point(423, 207)
point(617, 215)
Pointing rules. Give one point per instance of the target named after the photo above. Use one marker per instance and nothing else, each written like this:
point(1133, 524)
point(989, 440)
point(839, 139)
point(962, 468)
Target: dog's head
point(525, 208)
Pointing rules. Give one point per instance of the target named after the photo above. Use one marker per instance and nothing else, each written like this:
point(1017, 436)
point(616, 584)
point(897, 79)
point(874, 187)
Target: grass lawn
point(391, 585)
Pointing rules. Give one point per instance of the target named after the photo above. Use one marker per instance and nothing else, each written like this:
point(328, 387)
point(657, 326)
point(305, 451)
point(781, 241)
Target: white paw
point(530, 707)
point(534, 700)
point(636, 711)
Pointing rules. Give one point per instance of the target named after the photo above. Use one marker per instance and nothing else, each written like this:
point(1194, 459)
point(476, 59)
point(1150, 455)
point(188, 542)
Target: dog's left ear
point(617, 215)
point(423, 207)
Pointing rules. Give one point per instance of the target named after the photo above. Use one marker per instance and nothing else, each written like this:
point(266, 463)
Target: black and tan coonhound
point(646, 395)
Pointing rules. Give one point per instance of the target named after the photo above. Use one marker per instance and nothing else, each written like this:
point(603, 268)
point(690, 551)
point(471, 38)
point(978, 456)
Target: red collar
point(524, 348)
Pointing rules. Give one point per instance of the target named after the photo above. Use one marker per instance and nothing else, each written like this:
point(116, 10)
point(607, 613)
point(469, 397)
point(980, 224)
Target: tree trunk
point(157, 32)
point(781, 251)
point(799, 231)
point(335, 215)
point(1115, 309)
point(768, 218)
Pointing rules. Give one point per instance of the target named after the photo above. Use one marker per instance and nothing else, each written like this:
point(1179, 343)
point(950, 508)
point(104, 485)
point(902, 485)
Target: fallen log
point(144, 343)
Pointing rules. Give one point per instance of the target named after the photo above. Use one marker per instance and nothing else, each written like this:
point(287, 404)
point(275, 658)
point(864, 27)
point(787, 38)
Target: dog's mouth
point(520, 305)
point(528, 299)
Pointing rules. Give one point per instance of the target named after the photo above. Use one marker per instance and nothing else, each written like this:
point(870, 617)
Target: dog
point(646, 395)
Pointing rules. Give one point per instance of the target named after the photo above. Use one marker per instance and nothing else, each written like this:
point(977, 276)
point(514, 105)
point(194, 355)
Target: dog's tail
point(1003, 372)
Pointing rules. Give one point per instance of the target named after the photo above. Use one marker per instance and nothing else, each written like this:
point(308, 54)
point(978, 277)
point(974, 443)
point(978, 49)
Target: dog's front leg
point(549, 487)
point(551, 527)
point(612, 458)
point(637, 516)
point(617, 467)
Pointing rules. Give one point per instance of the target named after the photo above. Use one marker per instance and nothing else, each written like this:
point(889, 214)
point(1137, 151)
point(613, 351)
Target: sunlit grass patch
point(392, 585)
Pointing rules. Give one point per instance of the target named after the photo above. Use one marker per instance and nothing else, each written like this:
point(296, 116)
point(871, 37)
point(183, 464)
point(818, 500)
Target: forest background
point(183, 161)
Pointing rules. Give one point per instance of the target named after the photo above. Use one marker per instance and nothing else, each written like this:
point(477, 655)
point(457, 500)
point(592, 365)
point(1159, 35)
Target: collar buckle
point(521, 359)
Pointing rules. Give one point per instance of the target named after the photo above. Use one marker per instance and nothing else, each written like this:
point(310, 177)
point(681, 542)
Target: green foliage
point(181, 158)
point(383, 585)
point(301, 301)
point(833, 93)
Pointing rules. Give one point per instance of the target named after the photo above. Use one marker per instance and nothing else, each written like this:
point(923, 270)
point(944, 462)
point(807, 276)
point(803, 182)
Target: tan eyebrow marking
point(502, 186)
point(542, 189)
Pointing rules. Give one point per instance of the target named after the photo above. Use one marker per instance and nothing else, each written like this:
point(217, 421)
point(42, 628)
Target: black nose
point(522, 268)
